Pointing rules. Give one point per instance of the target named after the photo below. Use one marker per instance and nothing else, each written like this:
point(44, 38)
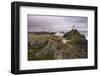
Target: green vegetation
point(47, 46)
point(73, 35)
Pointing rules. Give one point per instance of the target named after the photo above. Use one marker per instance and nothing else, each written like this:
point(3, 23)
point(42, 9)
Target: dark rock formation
point(73, 34)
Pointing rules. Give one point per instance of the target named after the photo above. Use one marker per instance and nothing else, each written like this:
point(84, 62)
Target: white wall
point(5, 41)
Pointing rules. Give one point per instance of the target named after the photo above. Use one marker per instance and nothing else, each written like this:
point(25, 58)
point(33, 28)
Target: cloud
point(56, 23)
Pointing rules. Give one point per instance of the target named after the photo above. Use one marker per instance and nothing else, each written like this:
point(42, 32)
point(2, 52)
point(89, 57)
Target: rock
point(51, 49)
point(38, 43)
point(73, 35)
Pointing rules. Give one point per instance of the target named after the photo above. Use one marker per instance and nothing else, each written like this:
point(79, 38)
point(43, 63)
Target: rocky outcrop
point(53, 47)
point(73, 34)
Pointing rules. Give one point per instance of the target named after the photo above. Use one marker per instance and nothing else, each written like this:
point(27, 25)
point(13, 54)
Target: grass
point(69, 49)
point(41, 38)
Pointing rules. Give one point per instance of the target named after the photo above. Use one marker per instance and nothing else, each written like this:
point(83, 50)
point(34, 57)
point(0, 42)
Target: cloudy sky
point(56, 23)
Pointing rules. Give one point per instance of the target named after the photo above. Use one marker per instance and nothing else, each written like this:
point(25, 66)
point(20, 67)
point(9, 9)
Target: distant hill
point(42, 32)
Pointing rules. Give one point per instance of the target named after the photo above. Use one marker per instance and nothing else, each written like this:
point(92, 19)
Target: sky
point(50, 23)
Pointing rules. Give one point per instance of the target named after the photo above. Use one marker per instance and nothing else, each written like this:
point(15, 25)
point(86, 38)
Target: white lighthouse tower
point(73, 27)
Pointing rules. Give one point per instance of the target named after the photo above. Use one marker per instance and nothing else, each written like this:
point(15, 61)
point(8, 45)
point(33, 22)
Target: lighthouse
point(73, 27)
